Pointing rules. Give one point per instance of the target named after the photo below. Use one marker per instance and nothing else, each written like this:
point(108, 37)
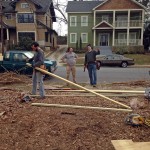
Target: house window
point(73, 21)
point(8, 16)
point(105, 18)
point(26, 18)
point(46, 36)
point(24, 5)
point(122, 38)
point(84, 37)
point(84, 20)
point(73, 37)
point(122, 21)
point(26, 35)
point(132, 37)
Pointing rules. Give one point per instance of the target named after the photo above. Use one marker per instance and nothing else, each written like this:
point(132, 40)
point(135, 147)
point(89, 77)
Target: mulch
point(27, 127)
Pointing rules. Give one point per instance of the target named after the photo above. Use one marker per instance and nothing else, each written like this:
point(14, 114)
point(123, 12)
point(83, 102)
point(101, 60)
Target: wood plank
point(101, 91)
point(130, 145)
point(122, 144)
point(79, 107)
point(79, 86)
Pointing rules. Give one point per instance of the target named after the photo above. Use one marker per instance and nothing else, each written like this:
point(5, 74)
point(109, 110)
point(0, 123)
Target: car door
point(7, 62)
point(116, 60)
point(108, 60)
point(18, 61)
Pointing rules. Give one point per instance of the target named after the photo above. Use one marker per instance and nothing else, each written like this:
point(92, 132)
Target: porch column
point(94, 38)
point(128, 26)
point(113, 38)
point(7, 34)
point(142, 29)
point(94, 43)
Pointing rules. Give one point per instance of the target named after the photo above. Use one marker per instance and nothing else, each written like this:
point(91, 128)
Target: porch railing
point(135, 23)
point(121, 24)
point(132, 23)
point(123, 42)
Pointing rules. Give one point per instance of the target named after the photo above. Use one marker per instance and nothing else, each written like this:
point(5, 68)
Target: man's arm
point(40, 59)
point(97, 51)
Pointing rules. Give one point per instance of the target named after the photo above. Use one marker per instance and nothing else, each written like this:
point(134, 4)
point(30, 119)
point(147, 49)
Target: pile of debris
point(11, 78)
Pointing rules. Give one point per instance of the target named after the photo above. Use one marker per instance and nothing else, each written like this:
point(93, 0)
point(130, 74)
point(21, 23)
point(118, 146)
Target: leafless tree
point(60, 8)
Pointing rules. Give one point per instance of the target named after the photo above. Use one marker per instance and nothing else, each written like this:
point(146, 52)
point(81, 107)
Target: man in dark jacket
point(90, 63)
point(37, 77)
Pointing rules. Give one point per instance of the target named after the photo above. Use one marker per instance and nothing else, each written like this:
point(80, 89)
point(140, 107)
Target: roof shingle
point(82, 6)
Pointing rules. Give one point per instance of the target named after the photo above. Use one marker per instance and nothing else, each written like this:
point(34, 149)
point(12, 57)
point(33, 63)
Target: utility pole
point(1, 22)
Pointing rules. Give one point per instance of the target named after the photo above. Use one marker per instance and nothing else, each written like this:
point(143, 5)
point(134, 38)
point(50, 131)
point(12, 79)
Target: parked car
point(16, 61)
point(114, 60)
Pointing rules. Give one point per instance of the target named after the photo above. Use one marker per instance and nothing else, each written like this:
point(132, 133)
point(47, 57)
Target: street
point(104, 75)
point(107, 74)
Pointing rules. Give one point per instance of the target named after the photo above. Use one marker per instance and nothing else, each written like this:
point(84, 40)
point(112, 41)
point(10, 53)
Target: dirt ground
point(27, 127)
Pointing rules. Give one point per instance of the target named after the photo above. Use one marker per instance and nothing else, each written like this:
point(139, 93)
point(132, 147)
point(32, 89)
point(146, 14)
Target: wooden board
point(130, 145)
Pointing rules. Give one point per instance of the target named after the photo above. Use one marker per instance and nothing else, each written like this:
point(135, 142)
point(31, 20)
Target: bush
point(128, 49)
point(24, 44)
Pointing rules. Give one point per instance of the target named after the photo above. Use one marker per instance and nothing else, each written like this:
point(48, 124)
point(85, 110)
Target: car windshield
point(29, 54)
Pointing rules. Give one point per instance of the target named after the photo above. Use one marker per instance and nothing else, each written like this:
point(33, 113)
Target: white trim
point(25, 4)
point(83, 24)
point(94, 38)
point(86, 37)
point(7, 32)
point(100, 4)
point(75, 37)
point(79, 12)
point(75, 23)
point(25, 13)
point(103, 27)
point(110, 10)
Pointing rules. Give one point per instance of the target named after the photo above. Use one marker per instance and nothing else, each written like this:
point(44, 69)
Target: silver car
point(114, 60)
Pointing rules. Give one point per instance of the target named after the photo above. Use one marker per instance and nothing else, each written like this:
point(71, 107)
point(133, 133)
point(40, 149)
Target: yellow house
point(28, 18)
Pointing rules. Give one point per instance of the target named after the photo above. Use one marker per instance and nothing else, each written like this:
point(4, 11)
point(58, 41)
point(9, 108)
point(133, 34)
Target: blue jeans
point(37, 78)
point(92, 73)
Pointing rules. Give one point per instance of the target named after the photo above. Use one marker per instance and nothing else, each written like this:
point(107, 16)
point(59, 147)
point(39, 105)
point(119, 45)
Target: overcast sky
point(61, 29)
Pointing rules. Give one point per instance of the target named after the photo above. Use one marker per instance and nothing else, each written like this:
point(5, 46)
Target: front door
point(104, 39)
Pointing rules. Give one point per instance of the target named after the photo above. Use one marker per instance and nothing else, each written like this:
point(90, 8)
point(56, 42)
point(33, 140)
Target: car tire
point(124, 64)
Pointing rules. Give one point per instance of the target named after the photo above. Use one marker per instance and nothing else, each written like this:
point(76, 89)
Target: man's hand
point(85, 66)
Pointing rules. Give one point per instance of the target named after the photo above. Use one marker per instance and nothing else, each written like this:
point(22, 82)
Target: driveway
point(56, 55)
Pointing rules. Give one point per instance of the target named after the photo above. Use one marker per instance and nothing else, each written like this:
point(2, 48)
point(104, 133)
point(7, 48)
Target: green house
point(113, 23)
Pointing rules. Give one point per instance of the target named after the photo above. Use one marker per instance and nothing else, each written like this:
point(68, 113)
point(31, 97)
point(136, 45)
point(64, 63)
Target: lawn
point(140, 59)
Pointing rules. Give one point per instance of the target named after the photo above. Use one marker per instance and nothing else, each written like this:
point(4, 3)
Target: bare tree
point(61, 16)
point(60, 8)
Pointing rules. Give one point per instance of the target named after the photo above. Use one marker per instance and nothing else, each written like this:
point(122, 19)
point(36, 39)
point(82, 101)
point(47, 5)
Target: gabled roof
point(7, 26)
point(103, 25)
point(81, 6)
point(134, 1)
point(48, 28)
point(42, 5)
point(88, 6)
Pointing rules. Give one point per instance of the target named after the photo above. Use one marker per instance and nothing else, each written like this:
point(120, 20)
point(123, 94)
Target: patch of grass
point(140, 59)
